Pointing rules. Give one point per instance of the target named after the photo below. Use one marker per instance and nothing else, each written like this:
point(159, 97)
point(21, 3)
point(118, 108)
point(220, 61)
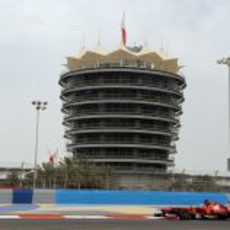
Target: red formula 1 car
point(209, 210)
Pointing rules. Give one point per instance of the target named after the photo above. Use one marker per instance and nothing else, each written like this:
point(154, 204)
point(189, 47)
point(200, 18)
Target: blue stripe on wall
point(135, 197)
point(22, 196)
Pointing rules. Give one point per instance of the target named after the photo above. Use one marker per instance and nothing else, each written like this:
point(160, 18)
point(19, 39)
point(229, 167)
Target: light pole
point(39, 105)
point(22, 171)
point(182, 179)
point(226, 61)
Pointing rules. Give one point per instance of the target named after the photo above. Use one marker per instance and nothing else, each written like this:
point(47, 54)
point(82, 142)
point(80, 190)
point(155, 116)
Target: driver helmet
point(207, 202)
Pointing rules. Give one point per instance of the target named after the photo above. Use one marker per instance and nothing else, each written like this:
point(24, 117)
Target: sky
point(37, 36)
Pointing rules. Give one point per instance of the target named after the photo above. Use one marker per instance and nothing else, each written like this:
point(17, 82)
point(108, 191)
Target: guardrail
point(63, 196)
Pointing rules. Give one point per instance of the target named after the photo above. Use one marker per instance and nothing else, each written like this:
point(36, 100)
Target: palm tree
point(69, 170)
point(13, 178)
point(70, 173)
point(87, 174)
point(46, 175)
point(83, 173)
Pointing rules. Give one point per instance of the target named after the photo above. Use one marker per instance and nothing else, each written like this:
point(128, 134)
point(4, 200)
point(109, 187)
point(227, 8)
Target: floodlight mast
point(39, 106)
point(226, 61)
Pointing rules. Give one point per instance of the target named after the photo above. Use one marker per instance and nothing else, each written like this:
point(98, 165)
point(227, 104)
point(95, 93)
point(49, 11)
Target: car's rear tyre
point(182, 214)
point(223, 216)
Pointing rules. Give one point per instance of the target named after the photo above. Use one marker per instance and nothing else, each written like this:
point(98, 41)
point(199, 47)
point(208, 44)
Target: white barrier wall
point(44, 196)
point(6, 196)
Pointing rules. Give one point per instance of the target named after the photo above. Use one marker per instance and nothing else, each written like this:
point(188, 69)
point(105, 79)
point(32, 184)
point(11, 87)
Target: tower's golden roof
point(124, 57)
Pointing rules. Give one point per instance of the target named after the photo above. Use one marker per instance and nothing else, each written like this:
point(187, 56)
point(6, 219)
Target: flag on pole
point(53, 157)
point(123, 30)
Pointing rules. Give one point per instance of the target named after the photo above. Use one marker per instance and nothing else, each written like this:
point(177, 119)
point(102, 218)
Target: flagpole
point(123, 30)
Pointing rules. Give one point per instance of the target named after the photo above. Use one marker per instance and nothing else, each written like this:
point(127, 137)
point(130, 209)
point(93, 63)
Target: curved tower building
point(122, 109)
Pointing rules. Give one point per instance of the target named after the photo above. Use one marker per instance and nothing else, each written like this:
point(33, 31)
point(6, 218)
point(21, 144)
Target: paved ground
point(113, 225)
point(77, 209)
point(95, 217)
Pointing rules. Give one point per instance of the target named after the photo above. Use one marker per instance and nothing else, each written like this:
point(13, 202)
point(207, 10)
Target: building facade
point(122, 109)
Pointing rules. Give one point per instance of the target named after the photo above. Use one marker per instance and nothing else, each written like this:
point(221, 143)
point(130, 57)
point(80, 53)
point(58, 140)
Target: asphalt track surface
point(113, 225)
